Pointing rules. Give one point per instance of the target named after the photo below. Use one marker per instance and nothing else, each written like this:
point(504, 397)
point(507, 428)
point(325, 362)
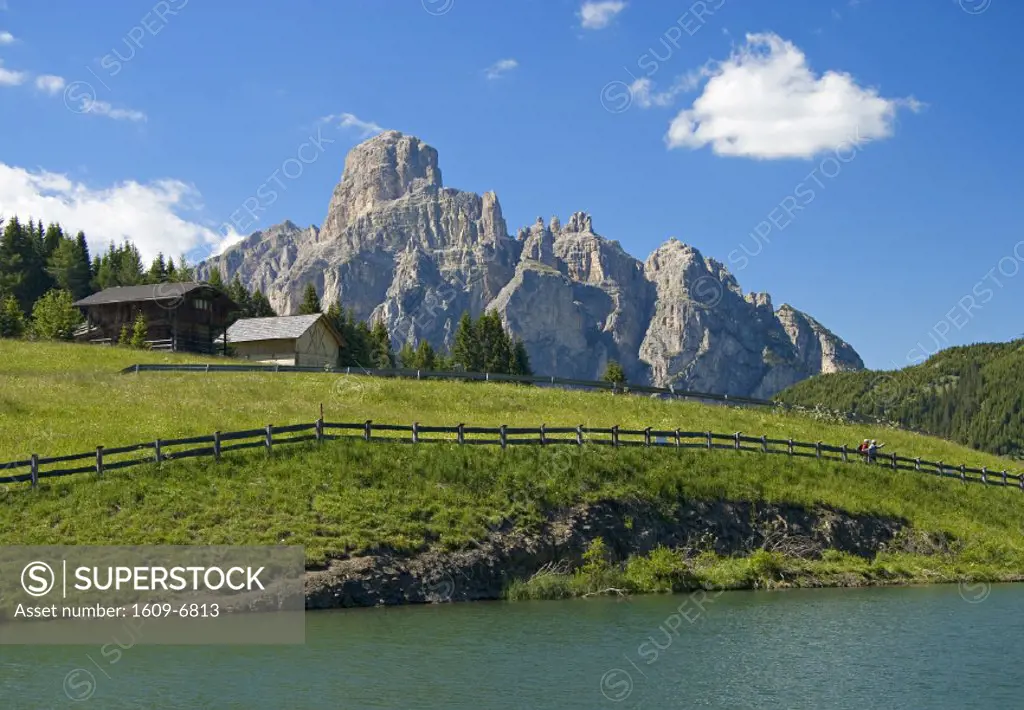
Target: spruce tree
point(259, 306)
point(426, 358)
point(216, 280)
point(310, 301)
point(140, 332)
point(408, 358)
point(466, 351)
point(380, 343)
point(12, 320)
point(614, 374)
point(53, 316)
point(158, 270)
point(519, 363)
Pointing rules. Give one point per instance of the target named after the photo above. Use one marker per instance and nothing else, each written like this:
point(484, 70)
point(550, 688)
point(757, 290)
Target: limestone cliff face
point(399, 246)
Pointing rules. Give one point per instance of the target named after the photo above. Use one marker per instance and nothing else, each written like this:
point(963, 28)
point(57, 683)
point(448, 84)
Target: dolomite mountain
point(399, 246)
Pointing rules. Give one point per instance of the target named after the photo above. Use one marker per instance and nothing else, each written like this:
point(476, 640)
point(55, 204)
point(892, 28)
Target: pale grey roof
point(248, 330)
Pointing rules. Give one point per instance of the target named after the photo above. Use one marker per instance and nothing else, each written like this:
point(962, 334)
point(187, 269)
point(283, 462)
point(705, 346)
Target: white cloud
point(148, 214)
point(643, 93)
point(500, 68)
point(9, 77)
point(102, 108)
point(765, 102)
point(6, 38)
point(350, 120)
point(50, 83)
point(598, 15)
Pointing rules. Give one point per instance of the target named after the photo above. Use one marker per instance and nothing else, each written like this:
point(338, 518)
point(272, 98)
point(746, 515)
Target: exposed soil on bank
point(634, 528)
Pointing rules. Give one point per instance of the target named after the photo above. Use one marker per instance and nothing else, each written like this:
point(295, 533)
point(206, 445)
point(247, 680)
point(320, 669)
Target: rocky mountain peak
point(399, 247)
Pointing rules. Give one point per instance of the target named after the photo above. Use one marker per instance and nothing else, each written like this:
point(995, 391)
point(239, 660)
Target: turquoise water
point(926, 647)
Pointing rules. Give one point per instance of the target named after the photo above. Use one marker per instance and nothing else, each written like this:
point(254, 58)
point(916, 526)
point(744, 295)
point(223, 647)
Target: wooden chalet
point(180, 317)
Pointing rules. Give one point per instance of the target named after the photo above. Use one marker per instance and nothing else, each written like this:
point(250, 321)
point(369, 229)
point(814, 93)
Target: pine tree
point(217, 281)
point(53, 316)
point(240, 295)
point(380, 343)
point(157, 270)
point(614, 374)
point(12, 320)
point(426, 358)
point(310, 301)
point(519, 363)
point(408, 358)
point(494, 343)
point(466, 352)
point(259, 306)
point(140, 331)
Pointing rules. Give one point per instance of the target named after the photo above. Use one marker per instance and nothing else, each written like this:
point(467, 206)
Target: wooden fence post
point(156, 448)
point(647, 436)
point(963, 473)
point(99, 460)
point(504, 436)
point(462, 434)
point(942, 469)
point(216, 446)
point(764, 443)
point(736, 440)
point(270, 437)
point(984, 474)
point(318, 428)
point(579, 435)
point(1004, 476)
point(817, 449)
point(416, 432)
point(35, 470)
point(893, 460)
point(1021, 481)
point(367, 429)
point(679, 439)
point(790, 447)
point(615, 435)
point(543, 436)
point(917, 464)
point(845, 459)
point(709, 440)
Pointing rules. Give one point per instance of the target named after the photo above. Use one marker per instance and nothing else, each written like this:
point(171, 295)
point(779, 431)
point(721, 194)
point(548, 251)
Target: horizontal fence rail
point(214, 445)
point(458, 375)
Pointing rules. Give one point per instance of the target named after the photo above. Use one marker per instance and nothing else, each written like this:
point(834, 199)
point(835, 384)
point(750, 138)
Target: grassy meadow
point(58, 398)
point(348, 497)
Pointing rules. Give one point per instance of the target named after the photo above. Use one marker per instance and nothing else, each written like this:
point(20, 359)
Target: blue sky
point(890, 131)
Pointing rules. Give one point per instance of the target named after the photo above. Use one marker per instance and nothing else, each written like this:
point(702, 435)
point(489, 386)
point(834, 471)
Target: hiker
point(873, 448)
point(863, 449)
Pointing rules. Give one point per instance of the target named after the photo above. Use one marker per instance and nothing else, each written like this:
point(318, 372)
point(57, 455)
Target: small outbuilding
point(180, 317)
point(303, 341)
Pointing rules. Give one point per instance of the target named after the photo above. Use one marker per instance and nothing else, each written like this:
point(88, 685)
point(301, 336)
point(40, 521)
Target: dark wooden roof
point(148, 292)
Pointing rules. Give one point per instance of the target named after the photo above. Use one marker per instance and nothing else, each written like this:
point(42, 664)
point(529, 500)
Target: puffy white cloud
point(149, 214)
point(598, 15)
point(765, 102)
point(9, 77)
point(50, 83)
point(6, 38)
point(500, 68)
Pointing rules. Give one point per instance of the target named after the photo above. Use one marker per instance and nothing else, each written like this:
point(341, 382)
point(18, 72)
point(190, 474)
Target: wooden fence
point(103, 459)
point(459, 375)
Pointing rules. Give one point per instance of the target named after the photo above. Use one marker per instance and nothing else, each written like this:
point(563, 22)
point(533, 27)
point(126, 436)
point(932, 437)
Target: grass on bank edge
point(352, 497)
point(670, 571)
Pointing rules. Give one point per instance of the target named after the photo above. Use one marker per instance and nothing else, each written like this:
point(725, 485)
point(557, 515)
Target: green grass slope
point(65, 398)
point(972, 394)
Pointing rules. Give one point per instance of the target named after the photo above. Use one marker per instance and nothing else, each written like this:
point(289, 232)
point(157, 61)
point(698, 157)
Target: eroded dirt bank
point(626, 528)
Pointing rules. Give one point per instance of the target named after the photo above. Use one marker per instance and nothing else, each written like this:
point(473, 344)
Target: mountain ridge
point(398, 245)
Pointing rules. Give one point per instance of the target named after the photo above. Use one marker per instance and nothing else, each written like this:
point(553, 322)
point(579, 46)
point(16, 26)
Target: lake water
point(929, 647)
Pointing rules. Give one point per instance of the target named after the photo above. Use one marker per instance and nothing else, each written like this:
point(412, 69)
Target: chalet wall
point(271, 352)
point(317, 347)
